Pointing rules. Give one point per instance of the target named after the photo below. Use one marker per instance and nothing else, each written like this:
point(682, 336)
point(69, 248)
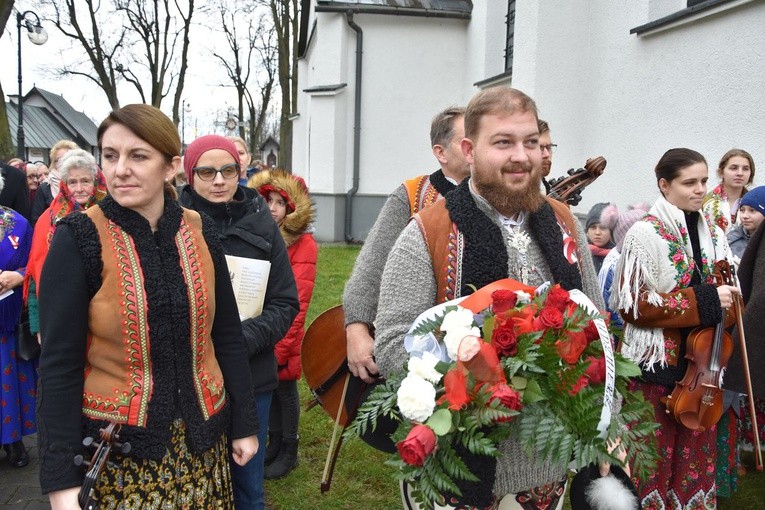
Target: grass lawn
point(361, 479)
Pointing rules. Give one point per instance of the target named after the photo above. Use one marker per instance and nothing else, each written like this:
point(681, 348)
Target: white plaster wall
point(413, 68)
point(630, 98)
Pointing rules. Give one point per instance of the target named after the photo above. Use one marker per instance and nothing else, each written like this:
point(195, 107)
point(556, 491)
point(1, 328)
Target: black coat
point(43, 199)
point(247, 230)
point(752, 278)
point(15, 193)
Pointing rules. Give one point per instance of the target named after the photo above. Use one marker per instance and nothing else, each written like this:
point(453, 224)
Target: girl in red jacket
point(293, 211)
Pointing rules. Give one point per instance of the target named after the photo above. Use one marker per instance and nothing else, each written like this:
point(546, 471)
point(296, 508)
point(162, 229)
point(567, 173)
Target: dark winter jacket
point(15, 194)
point(247, 230)
point(42, 201)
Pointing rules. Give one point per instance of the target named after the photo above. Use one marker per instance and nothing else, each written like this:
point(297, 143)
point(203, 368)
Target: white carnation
point(454, 337)
point(416, 398)
point(425, 367)
point(461, 318)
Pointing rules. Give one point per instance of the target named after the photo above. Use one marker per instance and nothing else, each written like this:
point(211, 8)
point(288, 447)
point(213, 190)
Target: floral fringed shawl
point(718, 209)
point(657, 258)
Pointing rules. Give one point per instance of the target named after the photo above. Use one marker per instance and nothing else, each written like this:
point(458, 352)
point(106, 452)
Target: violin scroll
point(569, 189)
point(109, 439)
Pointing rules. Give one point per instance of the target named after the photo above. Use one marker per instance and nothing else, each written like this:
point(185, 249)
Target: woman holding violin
point(669, 290)
point(140, 329)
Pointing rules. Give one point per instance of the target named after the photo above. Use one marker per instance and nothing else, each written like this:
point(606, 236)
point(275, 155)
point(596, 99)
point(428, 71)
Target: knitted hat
point(626, 220)
point(755, 199)
point(201, 145)
point(594, 216)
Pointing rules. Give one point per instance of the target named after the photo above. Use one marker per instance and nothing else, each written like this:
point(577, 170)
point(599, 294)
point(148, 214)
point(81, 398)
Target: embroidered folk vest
point(421, 193)
point(446, 245)
point(118, 370)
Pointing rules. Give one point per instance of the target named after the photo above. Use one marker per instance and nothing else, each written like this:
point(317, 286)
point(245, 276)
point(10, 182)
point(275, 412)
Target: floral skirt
point(181, 480)
point(727, 454)
point(18, 389)
point(747, 439)
point(685, 476)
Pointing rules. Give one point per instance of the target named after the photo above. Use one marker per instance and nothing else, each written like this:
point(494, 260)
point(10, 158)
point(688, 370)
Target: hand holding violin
point(360, 348)
point(727, 294)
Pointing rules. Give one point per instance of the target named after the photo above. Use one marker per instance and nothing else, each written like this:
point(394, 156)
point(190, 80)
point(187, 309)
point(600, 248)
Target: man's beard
point(546, 167)
point(511, 202)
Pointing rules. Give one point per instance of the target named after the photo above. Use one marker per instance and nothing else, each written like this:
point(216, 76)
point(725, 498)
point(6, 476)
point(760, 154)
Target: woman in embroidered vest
point(736, 170)
point(82, 185)
point(139, 327)
point(666, 289)
point(247, 230)
point(18, 378)
point(292, 209)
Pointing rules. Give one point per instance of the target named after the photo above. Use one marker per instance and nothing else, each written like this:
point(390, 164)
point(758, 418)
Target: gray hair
point(77, 158)
point(442, 125)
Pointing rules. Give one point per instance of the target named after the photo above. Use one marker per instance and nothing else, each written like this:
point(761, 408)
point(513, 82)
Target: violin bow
point(750, 394)
point(329, 465)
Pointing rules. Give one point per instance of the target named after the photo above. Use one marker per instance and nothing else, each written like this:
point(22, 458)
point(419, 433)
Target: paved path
point(20, 487)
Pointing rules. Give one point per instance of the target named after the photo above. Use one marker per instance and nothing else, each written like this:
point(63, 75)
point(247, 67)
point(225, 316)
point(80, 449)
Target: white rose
point(425, 367)
point(416, 398)
point(523, 297)
point(461, 318)
point(454, 337)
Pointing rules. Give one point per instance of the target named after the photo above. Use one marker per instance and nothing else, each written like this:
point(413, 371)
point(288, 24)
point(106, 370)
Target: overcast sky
point(202, 91)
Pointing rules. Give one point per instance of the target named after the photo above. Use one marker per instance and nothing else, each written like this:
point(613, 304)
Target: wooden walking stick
point(750, 395)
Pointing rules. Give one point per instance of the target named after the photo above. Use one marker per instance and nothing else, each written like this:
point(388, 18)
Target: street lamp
point(38, 36)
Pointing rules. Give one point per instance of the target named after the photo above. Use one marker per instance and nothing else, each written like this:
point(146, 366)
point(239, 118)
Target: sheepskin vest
point(119, 374)
point(426, 189)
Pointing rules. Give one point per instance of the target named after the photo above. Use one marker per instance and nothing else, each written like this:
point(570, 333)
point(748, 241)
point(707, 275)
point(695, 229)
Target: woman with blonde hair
point(736, 170)
point(140, 328)
point(292, 209)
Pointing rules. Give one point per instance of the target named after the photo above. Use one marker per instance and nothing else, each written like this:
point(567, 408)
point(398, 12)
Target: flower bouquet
point(531, 365)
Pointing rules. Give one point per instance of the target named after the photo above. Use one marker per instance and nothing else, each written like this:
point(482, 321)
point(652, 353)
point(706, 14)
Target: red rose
point(570, 348)
point(581, 383)
point(506, 396)
point(503, 300)
point(419, 443)
point(558, 297)
point(504, 339)
point(524, 320)
point(549, 317)
point(596, 370)
point(455, 389)
point(591, 332)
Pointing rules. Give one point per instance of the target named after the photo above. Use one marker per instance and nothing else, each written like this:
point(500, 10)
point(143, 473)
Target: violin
point(568, 189)
point(109, 438)
point(697, 400)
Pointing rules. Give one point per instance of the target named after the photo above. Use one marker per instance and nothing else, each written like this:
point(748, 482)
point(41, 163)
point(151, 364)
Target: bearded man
point(494, 225)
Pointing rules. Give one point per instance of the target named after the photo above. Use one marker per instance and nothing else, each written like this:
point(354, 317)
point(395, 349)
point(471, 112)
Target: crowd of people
point(168, 293)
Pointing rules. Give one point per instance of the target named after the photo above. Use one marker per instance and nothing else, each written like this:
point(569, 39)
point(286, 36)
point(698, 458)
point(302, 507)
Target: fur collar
point(441, 183)
point(296, 223)
point(485, 259)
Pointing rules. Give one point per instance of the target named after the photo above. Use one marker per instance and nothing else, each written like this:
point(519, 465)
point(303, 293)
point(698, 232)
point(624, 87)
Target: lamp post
point(185, 107)
point(37, 35)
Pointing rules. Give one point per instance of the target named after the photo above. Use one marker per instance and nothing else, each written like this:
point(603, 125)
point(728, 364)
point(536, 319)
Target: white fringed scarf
point(647, 268)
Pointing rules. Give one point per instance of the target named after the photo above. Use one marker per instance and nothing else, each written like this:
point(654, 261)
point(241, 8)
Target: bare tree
point(286, 17)
point(159, 33)
point(130, 40)
point(6, 142)
point(101, 65)
point(249, 58)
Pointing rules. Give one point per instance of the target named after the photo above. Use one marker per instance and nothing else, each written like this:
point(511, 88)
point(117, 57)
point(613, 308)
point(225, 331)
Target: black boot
point(17, 455)
point(285, 462)
point(274, 445)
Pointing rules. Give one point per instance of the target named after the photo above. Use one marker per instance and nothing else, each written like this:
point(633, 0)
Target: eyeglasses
point(208, 173)
point(549, 148)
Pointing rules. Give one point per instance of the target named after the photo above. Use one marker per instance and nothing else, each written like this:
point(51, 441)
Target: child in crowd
point(293, 211)
point(599, 234)
point(751, 213)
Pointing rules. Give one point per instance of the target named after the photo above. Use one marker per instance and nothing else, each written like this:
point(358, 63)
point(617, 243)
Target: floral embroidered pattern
point(684, 265)
point(714, 210)
point(676, 304)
